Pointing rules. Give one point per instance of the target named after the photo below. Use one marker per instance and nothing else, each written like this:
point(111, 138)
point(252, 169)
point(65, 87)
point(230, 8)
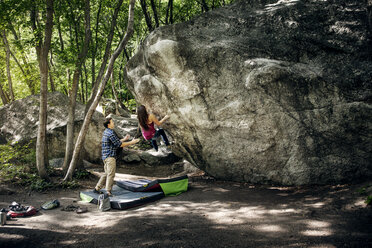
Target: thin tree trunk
point(60, 34)
point(19, 65)
point(85, 93)
point(41, 143)
point(73, 92)
point(153, 6)
point(94, 52)
point(169, 14)
point(7, 52)
point(146, 14)
point(204, 6)
point(88, 117)
point(114, 93)
point(105, 57)
point(3, 95)
point(51, 80)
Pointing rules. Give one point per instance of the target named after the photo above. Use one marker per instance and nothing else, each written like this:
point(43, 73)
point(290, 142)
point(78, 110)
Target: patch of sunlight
point(278, 5)
point(323, 246)
point(11, 236)
point(307, 198)
point(360, 203)
point(220, 190)
point(315, 205)
point(317, 224)
point(317, 233)
point(281, 211)
point(283, 194)
point(67, 242)
point(99, 108)
point(270, 228)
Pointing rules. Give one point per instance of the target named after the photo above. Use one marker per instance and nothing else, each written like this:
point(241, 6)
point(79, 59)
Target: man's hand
point(134, 141)
point(127, 137)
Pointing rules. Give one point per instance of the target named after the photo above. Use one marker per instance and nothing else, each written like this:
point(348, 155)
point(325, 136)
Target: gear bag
point(104, 202)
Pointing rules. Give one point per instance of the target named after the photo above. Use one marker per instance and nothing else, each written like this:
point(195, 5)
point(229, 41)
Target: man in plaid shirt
point(110, 144)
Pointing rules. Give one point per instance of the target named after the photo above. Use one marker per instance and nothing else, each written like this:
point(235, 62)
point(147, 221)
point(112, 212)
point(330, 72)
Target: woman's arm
point(152, 118)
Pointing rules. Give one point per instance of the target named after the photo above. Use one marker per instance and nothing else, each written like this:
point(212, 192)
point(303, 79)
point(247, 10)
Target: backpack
point(17, 210)
point(104, 202)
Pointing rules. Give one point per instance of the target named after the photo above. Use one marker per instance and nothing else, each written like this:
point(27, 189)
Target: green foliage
point(68, 37)
point(82, 174)
point(131, 105)
point(17, 164)
point(363, 191)
point(73, 184)
point(369, 200)
point(38, 184)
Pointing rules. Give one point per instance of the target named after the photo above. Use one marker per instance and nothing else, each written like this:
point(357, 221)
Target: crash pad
point(170, 186)
point(122, 198)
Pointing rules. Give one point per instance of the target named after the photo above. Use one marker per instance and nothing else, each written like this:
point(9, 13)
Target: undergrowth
point(18, 167)
point(363, 191)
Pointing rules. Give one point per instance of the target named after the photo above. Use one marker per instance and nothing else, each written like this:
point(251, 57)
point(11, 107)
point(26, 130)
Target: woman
point(147, 122)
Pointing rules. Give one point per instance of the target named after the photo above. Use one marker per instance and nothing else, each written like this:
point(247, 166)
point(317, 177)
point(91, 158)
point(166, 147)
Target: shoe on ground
point(81, 210)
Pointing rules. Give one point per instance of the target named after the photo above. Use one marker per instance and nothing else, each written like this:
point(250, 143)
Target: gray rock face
point(111, 107)
point(265, 91)
point(19, 123)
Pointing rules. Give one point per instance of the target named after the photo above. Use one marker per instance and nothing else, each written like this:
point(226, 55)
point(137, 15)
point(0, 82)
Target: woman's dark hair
point(106, 122)
point(142, 116)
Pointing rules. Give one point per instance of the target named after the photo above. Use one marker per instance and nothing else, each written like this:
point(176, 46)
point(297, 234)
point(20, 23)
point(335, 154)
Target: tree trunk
point(3, 95)
point(41, 143)
point(94, 52)
point(105, 57)
point(204, 6)
point(88, 117)
point(85, 93)
point(73, 92)
point(7, 52)
point(60, 34)
point(52, 86)
point(153, 6)
point(114, 93)
point(169, 14)
point(146, 14)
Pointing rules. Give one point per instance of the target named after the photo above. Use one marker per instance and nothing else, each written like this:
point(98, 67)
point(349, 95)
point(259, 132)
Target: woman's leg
point(164, 136)
point(154, 144)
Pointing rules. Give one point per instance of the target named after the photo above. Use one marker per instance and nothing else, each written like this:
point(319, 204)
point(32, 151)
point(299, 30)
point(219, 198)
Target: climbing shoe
point(50, 205)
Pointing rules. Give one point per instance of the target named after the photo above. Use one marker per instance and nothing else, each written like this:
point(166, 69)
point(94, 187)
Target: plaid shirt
point(110, 143)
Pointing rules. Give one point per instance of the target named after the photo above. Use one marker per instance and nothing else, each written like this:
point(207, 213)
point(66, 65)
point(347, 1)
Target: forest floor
point(210, 214)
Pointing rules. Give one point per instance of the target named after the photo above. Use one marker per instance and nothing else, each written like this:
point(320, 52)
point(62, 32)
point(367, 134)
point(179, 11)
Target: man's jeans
point(109, 175)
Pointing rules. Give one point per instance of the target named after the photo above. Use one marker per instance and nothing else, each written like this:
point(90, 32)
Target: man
point(110, 144)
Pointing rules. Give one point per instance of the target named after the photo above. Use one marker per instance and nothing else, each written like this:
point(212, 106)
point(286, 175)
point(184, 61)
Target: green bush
point(17, 163)
point(70, 184)
point(369, 200)
point(82, 174)
point(39, 184)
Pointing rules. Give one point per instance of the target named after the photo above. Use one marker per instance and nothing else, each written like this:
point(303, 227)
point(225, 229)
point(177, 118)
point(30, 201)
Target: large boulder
point(19, 123)
point(265, 91)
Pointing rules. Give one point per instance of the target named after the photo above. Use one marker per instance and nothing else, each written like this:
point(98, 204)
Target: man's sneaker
point(97, 191)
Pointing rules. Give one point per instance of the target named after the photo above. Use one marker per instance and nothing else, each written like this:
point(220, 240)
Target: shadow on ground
point(209, 214)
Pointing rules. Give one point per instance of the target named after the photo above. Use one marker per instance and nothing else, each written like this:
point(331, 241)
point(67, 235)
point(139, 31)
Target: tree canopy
point(22, 24)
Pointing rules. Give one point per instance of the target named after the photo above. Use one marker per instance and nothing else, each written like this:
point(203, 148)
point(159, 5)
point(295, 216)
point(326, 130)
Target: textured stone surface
point(19, 123)
point(265, 91)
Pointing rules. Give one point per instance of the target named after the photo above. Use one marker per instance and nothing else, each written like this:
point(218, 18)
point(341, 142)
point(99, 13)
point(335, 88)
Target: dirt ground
point(210, 214)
